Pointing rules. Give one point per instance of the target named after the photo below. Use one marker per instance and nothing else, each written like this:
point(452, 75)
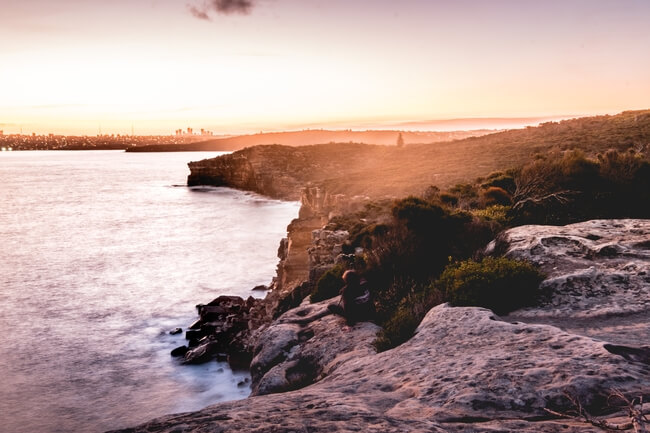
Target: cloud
point(223, 7)
point(201, 14)
point(232, 6)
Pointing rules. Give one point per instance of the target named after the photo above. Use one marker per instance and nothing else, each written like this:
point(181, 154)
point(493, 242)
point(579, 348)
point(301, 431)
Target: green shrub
point(568, 186)
point(502, 180)
point(404, 320)
point(497, 213)
point(495, 195)
point(398, 329)
point(500, 284)
point(431, 194)
point(329, 284)
point(448, 199)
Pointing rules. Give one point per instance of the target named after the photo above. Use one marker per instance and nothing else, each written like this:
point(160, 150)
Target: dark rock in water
point(201, 354)
point(180, 351)
point(193, 334)
point(234, 300)
point(209, 313)
point(260, 288)
point(176, 331)
point(196, 324)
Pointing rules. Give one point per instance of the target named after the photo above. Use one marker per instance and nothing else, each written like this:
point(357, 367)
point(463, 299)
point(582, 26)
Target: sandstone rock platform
point(466, 369)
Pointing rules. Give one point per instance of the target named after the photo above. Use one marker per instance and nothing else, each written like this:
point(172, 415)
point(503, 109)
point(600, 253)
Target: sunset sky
point(74, 66)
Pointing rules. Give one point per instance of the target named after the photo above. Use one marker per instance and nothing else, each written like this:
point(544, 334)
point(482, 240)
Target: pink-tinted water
point(101, 254)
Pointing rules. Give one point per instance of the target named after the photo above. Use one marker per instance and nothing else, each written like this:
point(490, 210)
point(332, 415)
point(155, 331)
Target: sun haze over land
point(240, 66)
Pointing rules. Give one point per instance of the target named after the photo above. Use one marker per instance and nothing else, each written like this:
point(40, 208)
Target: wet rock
point(176, 331)
point(202, 353)
point(196, 324)
point(180, 351)
point(194, 334)
point(260, 288)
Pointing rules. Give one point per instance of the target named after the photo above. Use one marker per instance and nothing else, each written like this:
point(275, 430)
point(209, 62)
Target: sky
point(236, 66)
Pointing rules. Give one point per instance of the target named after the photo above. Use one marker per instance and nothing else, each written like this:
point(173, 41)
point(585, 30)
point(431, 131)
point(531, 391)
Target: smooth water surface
point(101, 254)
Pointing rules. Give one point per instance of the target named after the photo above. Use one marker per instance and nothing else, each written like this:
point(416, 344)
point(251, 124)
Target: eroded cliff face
point(466, 369)
point(281, 171)
point(231, 326)
point(268, 170)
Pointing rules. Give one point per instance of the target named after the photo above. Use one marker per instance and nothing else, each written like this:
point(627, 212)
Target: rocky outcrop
point(326, 247)
point(267, 170)
point(222, 328)
point(226, 324)
point(281, 171)
point(598, 276)
point(304, 345)
point(465, 369)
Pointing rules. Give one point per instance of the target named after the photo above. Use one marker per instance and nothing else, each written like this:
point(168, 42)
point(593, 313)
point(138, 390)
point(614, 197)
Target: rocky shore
point(586, 347)
point(228, 327)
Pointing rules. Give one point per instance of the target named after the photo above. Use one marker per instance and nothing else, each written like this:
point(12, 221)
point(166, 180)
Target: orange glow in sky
point(74, 66)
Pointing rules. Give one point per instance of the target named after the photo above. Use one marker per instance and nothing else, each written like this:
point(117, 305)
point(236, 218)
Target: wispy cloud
point(223, 7)
point(201, 14)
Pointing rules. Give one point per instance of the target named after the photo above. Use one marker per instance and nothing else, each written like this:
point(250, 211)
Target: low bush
point(406, 318)
point(397, 330)
point(495, 195)
point(500, 284)
point(566, 187)
point(448, 199)
point(329, 284)
point(504, 180)
point(496, 213)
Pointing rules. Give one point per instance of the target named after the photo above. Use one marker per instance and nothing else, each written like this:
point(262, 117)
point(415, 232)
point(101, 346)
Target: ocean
point(102, 254)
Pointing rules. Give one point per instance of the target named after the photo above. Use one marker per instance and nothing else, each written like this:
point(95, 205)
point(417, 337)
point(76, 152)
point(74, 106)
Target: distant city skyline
point(70, 66)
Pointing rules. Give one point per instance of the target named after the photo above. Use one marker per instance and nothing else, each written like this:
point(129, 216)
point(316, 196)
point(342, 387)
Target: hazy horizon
point(242, 67)
point(432, 125)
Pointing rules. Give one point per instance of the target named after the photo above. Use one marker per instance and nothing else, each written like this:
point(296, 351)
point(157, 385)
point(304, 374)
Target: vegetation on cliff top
point(421, 251)
point(380, 171)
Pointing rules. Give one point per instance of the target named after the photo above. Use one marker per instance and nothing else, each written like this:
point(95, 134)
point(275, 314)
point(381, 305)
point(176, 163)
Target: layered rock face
point(465, 369)
point(227, 326)
point(281, 171)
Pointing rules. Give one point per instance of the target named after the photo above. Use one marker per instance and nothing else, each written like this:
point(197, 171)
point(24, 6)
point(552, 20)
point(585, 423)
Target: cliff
point(467, 369)
point(230, 326)
point(282, 171)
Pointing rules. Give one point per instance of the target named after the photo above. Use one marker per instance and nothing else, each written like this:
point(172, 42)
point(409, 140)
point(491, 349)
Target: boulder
point(204, 352)
point(304, 345)
point(180, 351)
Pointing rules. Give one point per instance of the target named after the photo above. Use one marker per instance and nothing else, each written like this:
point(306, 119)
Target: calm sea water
point(101, 254)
